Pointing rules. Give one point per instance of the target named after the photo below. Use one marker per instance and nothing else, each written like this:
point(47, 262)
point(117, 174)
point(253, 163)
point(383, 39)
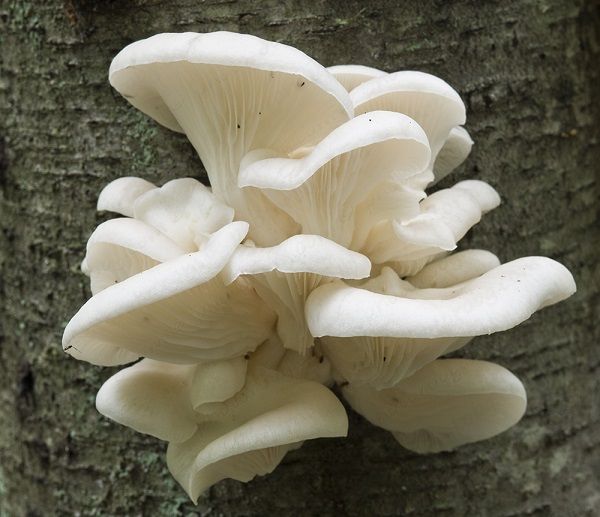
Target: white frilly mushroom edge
point(315, 258)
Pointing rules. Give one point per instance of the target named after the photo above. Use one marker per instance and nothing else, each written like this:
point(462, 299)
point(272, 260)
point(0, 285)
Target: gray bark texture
point(529, 74)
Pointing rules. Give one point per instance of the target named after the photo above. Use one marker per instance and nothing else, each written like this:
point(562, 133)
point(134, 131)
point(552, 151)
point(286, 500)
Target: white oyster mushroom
point(455, 150)
point(246, 299)
point(284, 276)
point(165, 223)
point(151, 397)
point(444, 218)
point(429, 100)
point(228, 440)
point(454, 269)
point(340, 172)
point(497, 300)
point(445, 404)
point(232, 93)
point(254, 430)
point(351, 76)
point(123, 247)
point(178, 311)
point(185, 210)
point(119, 195)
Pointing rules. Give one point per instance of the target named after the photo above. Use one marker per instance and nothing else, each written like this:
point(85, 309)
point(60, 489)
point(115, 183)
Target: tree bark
point(528, 72)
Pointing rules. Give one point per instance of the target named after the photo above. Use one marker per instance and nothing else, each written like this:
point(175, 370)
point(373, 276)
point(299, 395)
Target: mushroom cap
point(120, 195)
point(497, 300)
point(179, 311)
point(123, 247)
point(341, 171)
point(151, 397)
point(455, 150)
point(454, 269)
point(222, 49)
point(351, 76)
point(429, 100)
point(254, 430)
point(185, 210)
point(444, 218)
point(445, 404)
point(299, 254)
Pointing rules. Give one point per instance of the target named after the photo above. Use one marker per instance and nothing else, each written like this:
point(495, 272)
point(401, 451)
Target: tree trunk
point(528, 72)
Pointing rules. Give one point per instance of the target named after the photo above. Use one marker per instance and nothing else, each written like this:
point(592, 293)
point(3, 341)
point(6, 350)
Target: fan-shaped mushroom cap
point(341, 171)
point(123, 247)
point(454, 269)
point(455, 150)
point(231, 93)
point(284, 275)
point(497, 300)
point(185, 210)
point(177, 311)
point(351, 76)
point(445, 218)
point(429, 100)
point(252, 432)
point(119, 195)
point(151, 397)
point(447, 403)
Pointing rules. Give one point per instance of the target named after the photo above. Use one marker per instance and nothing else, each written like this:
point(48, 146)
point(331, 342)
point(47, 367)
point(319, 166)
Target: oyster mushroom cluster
point(316, 258)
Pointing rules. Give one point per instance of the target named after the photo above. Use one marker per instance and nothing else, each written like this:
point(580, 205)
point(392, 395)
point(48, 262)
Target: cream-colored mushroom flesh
point(231, 93)
point(497, 300)
point(445, 404)
point(352, 76)
point(252, 432)
point(432, 102)
point(151, 397)
point(284, 276)
point(178, 311)
point(341, 171)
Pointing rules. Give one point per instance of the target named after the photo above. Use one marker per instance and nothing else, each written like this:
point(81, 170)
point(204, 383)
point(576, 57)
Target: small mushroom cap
point(455, 150)
point(454, 269)
point(429, 100)
point(299, 254)
point(497, 300)
point(254, 430)
point(178, 311)
point(341, 171)
point(123, 247)
point(398, 142)
point(351, 76)
point(120, 195)
point(151, 397)
point(185, 210)
point(444, 218)
point(447, 403)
